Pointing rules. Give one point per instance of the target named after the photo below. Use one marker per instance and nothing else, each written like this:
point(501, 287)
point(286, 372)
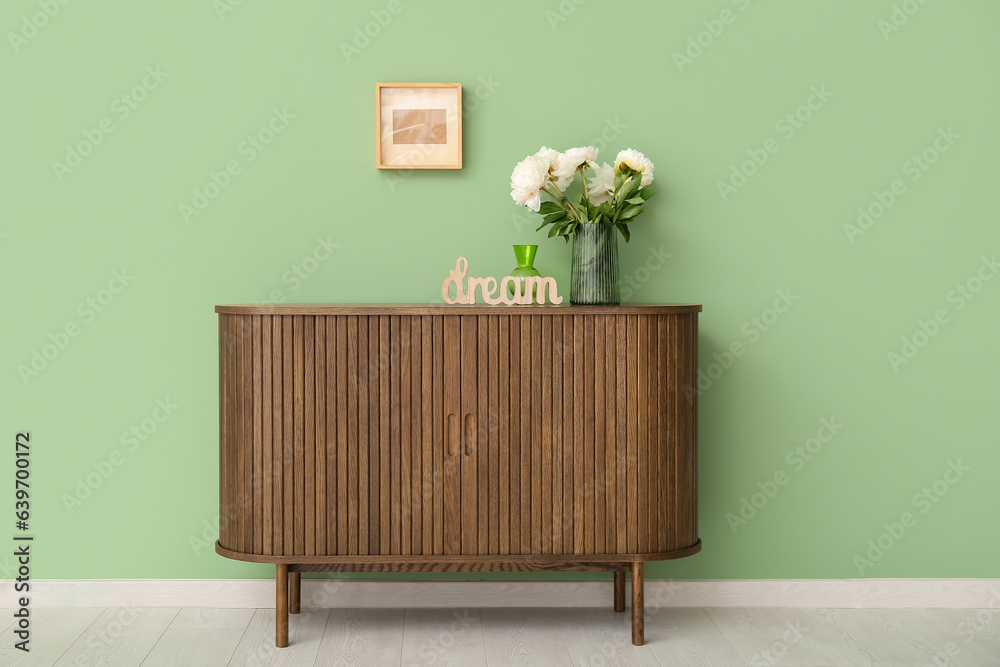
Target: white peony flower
point(635, 161)
point(602, 184)
point(568, 162)
point(530, 175)
point(550, 156)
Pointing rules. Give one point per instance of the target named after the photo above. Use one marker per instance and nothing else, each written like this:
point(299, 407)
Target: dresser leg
point(281, 606)
point(294, 592)
point(619, 590)
point(638, 628)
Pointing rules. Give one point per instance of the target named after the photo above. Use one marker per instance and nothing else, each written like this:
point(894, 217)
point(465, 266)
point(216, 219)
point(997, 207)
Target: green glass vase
point(525, 256)
point(594, 275)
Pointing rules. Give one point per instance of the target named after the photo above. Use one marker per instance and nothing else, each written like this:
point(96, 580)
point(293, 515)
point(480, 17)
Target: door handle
point(453, 435)
point(470, 434)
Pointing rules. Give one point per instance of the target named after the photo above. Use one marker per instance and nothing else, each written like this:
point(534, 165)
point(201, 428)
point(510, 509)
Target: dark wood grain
point(309, 494)
point(514, 325)
point(638, 621)
point(588, 411)
point(277, 438)
point(611, 435)
point(438, 417)
point(281, 605)
point(454, 562)
point(257, 382)
point(568, 435)
point(555, 417)
point(267, 435)
point(401, 366)
point(600, 436)
point(619, 593)
point(479, 458)
point(543, 415)
point(524, 393)
point(452, 486)
point(364, 394)
point(490, 420)
point(503, 453)
point(641, 479)
point(298, 434)
point(468, 387)
point(294, 592)
point(288, 435)
point(537, 446)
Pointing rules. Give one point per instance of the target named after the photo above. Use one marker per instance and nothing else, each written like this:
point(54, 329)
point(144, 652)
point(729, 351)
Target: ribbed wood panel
point(458, 435)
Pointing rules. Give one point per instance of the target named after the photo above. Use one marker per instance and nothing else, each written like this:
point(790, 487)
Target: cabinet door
point(469, 367)
point(514, 448)
point(466, 360)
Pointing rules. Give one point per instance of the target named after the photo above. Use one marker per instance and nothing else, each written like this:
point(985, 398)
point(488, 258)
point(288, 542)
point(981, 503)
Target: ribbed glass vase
point(594, 276)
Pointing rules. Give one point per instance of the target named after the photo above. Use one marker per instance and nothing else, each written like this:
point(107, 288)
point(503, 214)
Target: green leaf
point(630, 187)
point(554, 231)
point(619, 179)
point(635, 201)
point(630, 212)
point(548, 207)
point(646, 193)
point(554, 217)
point(624, 230)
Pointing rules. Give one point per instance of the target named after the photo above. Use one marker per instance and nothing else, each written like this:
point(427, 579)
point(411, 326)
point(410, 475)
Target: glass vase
point(594, 276)
point(525, 256)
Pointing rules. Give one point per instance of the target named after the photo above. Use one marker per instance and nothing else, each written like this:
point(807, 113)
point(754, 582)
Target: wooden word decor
point(534, 287)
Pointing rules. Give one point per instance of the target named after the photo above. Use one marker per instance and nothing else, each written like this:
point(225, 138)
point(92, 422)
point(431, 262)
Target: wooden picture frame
point(429, 116)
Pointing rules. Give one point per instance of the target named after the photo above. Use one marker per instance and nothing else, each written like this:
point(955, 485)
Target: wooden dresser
point(410, 438)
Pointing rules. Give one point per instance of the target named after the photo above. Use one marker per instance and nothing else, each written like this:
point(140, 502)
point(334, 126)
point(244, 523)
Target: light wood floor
point(718, 637)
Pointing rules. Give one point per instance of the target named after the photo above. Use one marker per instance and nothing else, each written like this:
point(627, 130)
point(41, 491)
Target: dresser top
point(445, 309)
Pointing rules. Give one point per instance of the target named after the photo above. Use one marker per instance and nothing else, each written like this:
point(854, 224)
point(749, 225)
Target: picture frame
point(418, 125)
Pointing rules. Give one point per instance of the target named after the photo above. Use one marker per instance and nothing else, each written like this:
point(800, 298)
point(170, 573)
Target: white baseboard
point(332, 593)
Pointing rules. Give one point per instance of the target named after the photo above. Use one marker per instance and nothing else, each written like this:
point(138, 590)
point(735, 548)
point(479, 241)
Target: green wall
point(884, 86)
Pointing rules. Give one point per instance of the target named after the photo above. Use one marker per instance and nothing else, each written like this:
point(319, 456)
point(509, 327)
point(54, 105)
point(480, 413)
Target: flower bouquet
point(610, 198)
